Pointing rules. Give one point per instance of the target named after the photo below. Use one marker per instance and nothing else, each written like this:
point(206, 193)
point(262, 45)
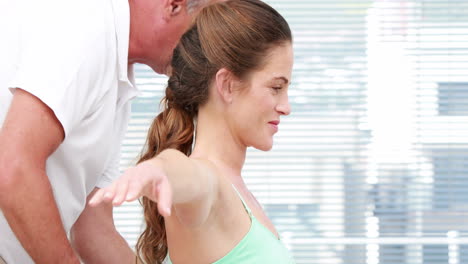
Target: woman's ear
point(225, 84)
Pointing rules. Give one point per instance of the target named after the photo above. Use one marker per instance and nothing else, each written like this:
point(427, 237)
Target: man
point(65, 89)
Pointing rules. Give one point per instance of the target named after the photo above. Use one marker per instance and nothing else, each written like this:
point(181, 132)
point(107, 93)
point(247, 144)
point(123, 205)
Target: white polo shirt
point(72, 55)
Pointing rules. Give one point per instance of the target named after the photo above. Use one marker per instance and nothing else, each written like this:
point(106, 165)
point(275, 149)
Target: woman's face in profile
point(260, 105)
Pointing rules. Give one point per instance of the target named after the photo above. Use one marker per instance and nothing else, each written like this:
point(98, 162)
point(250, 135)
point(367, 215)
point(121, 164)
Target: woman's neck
point(216, 142)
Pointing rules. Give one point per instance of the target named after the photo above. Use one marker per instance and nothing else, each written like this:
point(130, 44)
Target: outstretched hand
point(146, 179)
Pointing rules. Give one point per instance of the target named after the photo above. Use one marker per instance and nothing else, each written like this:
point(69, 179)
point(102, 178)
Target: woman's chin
point(264, 147)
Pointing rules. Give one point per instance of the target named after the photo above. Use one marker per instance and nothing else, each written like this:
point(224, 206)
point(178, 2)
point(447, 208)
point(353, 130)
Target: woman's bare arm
point(171, 179)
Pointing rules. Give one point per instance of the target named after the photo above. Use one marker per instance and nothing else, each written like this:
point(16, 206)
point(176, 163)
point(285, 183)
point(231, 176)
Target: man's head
point(156, 27)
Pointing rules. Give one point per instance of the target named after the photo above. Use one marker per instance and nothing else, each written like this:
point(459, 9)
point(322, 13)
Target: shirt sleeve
point(59, 61)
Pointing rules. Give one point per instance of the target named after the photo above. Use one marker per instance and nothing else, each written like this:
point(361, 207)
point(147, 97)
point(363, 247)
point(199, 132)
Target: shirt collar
point(121, 10)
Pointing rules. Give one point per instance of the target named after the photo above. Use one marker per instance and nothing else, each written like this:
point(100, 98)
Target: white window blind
point(372, 164)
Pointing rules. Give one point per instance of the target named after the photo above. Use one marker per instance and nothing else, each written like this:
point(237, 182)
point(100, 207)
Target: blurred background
point(372, 165)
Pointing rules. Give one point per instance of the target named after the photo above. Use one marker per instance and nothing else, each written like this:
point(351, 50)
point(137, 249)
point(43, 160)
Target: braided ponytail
point(172, 128)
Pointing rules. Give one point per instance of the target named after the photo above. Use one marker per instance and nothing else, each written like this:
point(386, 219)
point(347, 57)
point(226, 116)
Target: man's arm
point(30, 134)
point(95, 238)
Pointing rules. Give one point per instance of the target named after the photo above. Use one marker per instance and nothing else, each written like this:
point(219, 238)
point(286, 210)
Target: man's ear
point(225, 85)
point(175, 7)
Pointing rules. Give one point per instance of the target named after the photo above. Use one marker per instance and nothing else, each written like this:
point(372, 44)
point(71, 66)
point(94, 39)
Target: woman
point(230, 73)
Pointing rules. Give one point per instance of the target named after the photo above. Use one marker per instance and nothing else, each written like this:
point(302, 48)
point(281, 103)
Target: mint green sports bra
point(259, 246)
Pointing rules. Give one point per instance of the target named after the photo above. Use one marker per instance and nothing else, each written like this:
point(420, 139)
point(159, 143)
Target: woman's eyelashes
point(276, 89)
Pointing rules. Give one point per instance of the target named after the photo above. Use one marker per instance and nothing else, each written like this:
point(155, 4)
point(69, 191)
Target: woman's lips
point(274, 124)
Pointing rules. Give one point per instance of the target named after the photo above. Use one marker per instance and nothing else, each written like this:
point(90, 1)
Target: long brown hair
point(235, 35)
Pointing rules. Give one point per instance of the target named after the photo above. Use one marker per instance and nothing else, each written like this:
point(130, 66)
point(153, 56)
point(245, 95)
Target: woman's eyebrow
point(282, 78)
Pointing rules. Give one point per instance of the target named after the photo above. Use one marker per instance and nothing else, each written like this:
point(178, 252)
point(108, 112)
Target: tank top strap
point(243, 202)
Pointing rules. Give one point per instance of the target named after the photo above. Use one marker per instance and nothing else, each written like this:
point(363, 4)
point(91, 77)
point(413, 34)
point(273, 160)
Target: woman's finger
point(164, 197)
point(121, 189)
point(135, 187)
point(109, 192)
point(97, 198)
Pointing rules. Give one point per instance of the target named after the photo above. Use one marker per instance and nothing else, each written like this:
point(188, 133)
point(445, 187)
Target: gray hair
point(194, 5)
